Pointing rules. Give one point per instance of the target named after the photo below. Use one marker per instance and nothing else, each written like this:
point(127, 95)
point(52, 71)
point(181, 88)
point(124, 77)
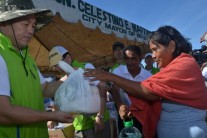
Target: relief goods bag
point(76, 95)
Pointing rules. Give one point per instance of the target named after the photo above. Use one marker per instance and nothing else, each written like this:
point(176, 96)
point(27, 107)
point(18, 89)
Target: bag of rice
point(76, 95)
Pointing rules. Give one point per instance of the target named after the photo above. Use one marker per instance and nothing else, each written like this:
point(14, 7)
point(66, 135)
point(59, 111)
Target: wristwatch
point(109, 85)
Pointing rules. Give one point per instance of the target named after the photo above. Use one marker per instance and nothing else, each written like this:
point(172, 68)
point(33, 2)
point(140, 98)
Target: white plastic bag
point(75, 94)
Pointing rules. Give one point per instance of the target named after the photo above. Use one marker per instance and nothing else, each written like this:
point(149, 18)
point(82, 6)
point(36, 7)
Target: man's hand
point(62, 117)
point(124, 112)
point(99, 124)
point(51, 124)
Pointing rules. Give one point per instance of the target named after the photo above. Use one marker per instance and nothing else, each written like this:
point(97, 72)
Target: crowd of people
point(164, 101)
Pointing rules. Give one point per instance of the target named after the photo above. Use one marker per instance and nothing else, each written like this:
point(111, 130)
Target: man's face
point(23, 30)
point(132, 60)
point(67, 59)
point(118, 53)
point(149, 60)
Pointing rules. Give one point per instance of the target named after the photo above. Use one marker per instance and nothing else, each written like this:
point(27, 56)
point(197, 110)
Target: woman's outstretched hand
point(97, 74)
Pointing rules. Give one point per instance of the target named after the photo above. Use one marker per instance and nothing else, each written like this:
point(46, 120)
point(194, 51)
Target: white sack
point(75, 94)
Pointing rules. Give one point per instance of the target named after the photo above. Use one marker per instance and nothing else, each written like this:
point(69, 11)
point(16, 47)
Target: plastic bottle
point(129, 131)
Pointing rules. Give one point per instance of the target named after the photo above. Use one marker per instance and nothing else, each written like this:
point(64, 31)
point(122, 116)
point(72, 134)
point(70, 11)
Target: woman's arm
point(132, 88)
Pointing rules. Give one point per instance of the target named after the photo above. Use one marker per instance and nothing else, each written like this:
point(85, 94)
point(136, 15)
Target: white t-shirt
point(123, 72)
point(4, 78)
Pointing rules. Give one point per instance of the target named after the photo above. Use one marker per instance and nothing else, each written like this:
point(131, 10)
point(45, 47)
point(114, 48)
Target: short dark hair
point(133, 48)
point(64, 55)
point(117, 44)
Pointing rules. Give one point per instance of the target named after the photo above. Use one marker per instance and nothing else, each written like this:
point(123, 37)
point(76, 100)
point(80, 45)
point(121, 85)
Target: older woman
point(179, 86)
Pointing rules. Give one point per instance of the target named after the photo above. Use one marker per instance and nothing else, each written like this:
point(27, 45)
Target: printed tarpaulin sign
point(93, 17)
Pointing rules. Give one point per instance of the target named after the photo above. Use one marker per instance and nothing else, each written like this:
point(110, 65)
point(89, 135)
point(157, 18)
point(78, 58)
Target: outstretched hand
point(98, 75)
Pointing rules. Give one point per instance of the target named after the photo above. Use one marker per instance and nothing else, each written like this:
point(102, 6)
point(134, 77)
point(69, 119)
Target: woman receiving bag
point(179, 86)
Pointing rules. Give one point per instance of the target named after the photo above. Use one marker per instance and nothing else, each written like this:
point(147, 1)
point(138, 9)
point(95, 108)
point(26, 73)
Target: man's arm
point(115, 91)
point(116, 96)
point(102, 93)
point(124, 110)
point(49, 88)
point(99, 120)
point(12, 114)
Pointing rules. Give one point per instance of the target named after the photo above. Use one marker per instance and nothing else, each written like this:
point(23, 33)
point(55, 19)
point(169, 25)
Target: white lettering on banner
point(92, 17)
point(99, 14)
point(131, 33)
point(65, 2)
point(115, 28)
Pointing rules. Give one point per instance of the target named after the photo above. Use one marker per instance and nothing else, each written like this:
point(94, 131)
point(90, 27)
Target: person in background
point(204, 72)
point(204, 65)
point(118, 55)
point(86, 125)
point(22, 86)
point(50, 106)
point(133, 70)
point(149, 63)
point(117, 49)
point(182, 93)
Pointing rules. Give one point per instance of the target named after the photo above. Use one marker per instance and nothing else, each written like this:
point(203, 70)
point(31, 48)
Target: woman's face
point(162, 54)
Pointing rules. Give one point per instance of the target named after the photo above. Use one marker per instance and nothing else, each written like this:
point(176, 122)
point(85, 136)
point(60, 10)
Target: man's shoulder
point(121, 66)
point(145, 72)
point(120, 69)
point(116, 65)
